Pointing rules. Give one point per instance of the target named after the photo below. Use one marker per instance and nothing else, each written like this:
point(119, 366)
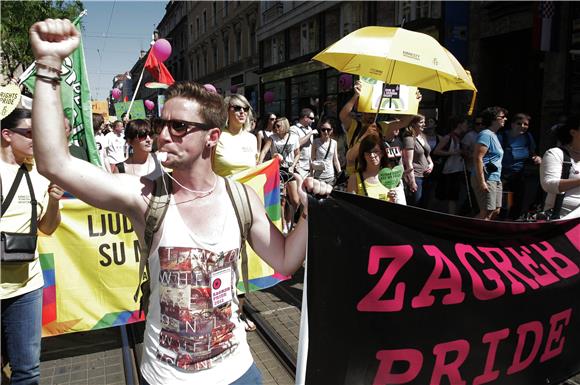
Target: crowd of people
point(470, 169)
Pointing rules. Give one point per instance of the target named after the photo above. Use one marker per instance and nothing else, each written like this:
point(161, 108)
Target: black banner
point(401, 295)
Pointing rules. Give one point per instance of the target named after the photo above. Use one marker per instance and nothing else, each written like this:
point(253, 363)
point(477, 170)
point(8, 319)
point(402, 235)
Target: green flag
point(76, 97)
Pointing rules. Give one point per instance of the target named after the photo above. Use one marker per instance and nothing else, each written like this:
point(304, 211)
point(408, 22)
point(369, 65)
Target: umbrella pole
point(380, 101)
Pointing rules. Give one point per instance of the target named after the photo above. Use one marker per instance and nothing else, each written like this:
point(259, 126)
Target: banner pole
point(135, 93)
point(380, 101)
point(131, 374)
point(467, 186)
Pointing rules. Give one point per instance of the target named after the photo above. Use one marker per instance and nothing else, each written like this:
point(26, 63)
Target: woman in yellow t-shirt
point(371, 160)
point(237, 149)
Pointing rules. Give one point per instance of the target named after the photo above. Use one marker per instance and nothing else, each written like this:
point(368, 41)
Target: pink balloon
point(116, 93)
point(234, 89)
point(210, 88)
point(268, 97)
point(149, 105)
point(162, 49)
point(345, 81)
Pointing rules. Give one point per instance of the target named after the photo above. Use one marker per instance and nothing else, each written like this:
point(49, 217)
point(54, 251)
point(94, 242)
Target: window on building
point(351, 15)
point(238, 45)
point(413, 10)
point(215, 56)
point(204, 15)
point(308, 36)
point(214, 12)
point(197, 70)
point(331, 26)
point(197, 30)
point(205, 69)
point(226, 50)
point(294, 42)
point(252, 39)
point(267, 53)
point(278, 48)
point(225, 8)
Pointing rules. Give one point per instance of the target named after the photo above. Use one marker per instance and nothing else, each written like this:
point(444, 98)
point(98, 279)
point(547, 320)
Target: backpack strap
point(154, 215)
point(241, 202)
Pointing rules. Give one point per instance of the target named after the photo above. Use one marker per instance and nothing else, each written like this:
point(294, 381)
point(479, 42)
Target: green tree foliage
point(17, 18)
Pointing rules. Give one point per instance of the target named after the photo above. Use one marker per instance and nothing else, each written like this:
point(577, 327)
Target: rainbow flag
point(90, 264)
point(265, 180)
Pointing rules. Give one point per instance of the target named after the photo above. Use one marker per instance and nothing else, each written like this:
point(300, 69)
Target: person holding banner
point(26, 193)
point(371, 160)
point(568, 134)
point(193, 334)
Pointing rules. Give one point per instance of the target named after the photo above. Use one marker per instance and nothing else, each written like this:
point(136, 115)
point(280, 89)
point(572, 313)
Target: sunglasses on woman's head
point(240, 108)
point(177, 127)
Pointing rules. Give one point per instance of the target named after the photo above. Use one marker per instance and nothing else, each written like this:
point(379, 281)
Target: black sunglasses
point(239, 108)
point(142, 135)
point(177, 127)
point(325, 129)
point(27, 132)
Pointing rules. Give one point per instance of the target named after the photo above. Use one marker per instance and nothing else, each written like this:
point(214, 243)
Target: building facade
point(522, 55)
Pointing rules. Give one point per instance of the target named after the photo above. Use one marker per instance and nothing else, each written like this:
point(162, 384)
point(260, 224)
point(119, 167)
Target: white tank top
point(193, 333)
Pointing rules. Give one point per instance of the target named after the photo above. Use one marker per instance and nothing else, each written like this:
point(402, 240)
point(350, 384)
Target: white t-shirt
point(189, 337)
point(322, 149)
point(115, 148)
point(306, 149)
point(550, 175)
point(285, 147)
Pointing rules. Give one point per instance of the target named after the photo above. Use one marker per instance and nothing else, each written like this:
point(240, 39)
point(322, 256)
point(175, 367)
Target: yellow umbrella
point(397, 56)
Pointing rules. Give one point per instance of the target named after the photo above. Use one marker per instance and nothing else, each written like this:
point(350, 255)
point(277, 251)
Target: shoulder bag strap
point(241, 202)
point(566, 166)
point(154, 215)
point(362, 182)
point(13, 188)
point(33, 218)
point(328, 149)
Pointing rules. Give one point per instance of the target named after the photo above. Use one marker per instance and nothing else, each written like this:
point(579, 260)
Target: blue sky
point(114, 34)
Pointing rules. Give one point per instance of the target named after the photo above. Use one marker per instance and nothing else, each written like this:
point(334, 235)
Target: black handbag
point(19, 247)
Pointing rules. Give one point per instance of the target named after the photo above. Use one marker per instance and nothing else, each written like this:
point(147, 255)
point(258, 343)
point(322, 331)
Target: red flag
point(158, 70)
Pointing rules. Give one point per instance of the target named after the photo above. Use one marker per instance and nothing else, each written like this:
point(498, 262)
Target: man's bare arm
point(285, 255)
point(52, 41)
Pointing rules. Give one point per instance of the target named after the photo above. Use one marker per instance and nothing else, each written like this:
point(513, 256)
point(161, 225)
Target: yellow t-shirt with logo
point(235, 153)
point(21, 278)
point(374, 190)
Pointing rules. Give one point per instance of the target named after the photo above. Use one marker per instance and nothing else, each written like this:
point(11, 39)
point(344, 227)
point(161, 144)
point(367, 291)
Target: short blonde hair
point(283, 123)
point(241, 99)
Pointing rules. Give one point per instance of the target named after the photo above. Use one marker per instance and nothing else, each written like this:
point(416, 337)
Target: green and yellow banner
point(91, 263)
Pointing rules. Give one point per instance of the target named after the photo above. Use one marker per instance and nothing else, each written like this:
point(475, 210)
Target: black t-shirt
point(394, 150)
